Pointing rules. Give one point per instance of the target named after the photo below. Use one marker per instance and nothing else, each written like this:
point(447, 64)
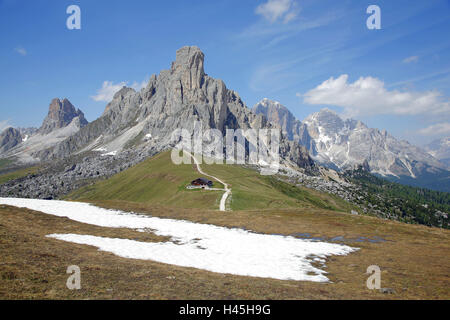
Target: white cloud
point(274, 10)
point(368, 96)
point(436, 129)
point(4, 124)
point(20, 50)
point(139, 85)
point(108, 90)
point(411, 59)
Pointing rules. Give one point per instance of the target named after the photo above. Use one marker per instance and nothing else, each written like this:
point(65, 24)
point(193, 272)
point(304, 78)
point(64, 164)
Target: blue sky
point(396, 78)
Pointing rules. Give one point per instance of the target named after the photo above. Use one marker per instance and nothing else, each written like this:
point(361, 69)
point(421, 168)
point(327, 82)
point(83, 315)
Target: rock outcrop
point(280, 117)
point(63, 120)
point(440, 149)
point(176, 98)
point(60, 115)
point(9, 138)
point(136, 125)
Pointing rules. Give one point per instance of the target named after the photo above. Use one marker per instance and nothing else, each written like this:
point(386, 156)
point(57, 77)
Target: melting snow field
point(201, 246)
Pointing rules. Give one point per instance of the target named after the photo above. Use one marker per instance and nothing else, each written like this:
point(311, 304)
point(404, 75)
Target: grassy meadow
point(413, 259)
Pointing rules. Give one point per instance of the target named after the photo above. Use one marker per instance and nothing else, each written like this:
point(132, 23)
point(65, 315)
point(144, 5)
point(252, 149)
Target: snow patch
point(201, 246)
point(112, 153)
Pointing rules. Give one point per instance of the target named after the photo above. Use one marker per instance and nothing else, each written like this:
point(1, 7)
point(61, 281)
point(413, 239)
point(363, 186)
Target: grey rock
point(64, 176)
point(63, 120)
point(60, 115)
point(9, 138)
point(280, 117)
point(176, 98)
point(440, 149)
point(387, 290)
point(346, 144)
point(27, 132)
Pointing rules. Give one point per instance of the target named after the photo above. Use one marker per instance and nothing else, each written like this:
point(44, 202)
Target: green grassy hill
point(158, 181)
point(155, 181)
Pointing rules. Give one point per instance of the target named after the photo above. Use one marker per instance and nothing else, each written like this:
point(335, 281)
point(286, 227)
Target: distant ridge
point(343, 144)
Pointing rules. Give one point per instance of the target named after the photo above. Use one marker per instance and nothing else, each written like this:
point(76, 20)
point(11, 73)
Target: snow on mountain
point(440, 149)
point(176, 98)
point(343, 144)
point(346, 143)
point(62, 121)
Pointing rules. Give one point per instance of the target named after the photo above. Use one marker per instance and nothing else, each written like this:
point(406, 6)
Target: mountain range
point(136, 124)
point(344, 144)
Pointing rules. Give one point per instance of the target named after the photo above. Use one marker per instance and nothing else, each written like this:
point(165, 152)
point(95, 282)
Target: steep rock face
point(60, 115)
point(350, 142)
point(280, 116)
point(176, 98)
point(9, 138)
point(345, 144)
point(440, 149)
point(62, 121)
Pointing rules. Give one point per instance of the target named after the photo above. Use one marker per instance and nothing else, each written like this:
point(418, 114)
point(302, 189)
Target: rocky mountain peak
point(189, 64)
point(123, 92)
point(177, 98)
point(267, 106)
point(325, 115)
point(9, 138)
point(349, 144)
point(441, 150)
point(324, 123)
point(268, 103)
point(280, 116)
point(60, 115)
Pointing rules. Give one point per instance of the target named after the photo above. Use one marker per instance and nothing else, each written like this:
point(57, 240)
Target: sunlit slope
point(250, 190)
point(159, 181)
point(156, 181)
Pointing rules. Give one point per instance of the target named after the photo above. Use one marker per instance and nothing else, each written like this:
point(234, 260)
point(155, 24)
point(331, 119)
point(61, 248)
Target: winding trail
point(227, 190)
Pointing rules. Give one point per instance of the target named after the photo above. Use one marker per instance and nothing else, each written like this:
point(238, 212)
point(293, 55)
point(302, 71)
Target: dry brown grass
point(414, 262)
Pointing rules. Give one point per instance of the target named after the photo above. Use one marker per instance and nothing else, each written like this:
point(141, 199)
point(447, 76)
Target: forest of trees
point(401, 202)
